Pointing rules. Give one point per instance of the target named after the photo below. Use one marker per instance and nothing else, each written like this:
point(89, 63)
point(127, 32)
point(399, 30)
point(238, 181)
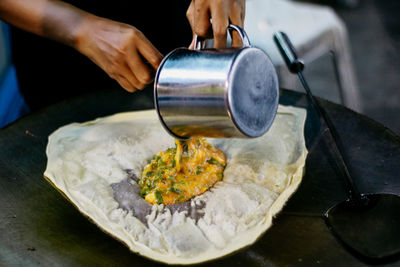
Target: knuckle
point(201, 31)
point(134, 34)
point(140, 86)
point(116, 57)
point(146, 78)
point(220, 30)
point(112, 75)
point(189, 13)
point(124, 84)
point(112, 69)
point(130, 89)
point(237, 5)
point(157, 61)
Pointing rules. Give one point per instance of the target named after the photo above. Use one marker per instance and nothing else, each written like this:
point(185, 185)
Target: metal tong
point(296, 66)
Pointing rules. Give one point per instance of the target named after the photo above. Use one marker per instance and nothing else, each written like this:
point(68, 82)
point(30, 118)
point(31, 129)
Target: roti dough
point(97, 164)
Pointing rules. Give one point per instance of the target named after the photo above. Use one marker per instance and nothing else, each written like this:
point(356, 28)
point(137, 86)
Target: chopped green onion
point(171, 150)
point(212, 161)
point(158, 195)
point(179, 199)
point(199, 170)
point(144, 192)
point(175, 190)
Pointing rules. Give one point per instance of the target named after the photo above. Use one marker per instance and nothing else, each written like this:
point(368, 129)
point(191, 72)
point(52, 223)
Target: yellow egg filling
point(181, 173)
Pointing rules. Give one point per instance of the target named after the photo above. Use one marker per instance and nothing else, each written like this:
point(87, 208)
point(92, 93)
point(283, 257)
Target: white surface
point(261, 174)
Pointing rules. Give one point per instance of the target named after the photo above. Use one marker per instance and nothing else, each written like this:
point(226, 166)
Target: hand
point(121, 50)
point(222, 13)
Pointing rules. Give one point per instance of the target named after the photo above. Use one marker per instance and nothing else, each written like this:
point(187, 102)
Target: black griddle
point(39, 226)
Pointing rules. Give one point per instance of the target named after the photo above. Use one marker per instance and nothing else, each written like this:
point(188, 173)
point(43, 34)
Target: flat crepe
point(97, 164)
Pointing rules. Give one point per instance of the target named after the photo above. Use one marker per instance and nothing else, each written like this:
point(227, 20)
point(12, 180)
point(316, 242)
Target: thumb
point(192, 44)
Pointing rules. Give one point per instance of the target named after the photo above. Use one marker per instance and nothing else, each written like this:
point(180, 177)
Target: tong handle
point(296, 65)
point(288, 52)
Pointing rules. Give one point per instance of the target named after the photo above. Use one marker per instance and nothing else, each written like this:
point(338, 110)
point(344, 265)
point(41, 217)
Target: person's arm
point(121, 50)
point(222, 13)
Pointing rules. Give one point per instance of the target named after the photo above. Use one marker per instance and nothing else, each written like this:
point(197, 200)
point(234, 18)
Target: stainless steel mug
point(231, 92)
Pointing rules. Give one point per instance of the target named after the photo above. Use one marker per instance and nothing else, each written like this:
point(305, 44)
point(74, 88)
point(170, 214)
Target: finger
point(192, 44)
point(130, 82)
point(201, 19)
point(220, 22)
point(190, 18)
point(142, 72)
point(236, 17)
point(148, 51)
point(128, 74)
point(190, 14)
point(125, 83)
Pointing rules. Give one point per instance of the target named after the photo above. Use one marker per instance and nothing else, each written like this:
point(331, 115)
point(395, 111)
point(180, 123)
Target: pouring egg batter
point(181, 173)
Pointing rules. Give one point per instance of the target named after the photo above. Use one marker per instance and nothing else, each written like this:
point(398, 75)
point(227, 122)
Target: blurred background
point(351, 49)
point(374, 37)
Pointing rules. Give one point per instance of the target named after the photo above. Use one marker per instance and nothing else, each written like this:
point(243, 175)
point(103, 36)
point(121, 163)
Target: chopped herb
point(199, 170)
point(162, 175)
point(160, 172)
point(159, 197)
point(212, 161)
point(171, 150)
point(144, 192)
point(155, 181)
point(175, 190)
point(179, 199)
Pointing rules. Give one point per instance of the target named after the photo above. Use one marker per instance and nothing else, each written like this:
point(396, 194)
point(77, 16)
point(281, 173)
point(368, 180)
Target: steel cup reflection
point(230, 92)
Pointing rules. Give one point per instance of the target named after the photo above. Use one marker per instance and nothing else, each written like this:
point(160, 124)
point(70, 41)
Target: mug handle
point(200, 41)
